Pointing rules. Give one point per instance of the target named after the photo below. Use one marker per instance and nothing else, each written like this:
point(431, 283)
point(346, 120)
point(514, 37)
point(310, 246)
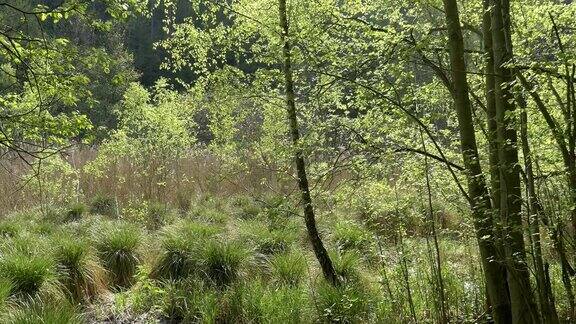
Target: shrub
point(118, 250)
point(36, 311)
point(181, 246)
point(27, 273)
point(346, 303)
point(222, 261)
point(78, 271)
point(75, 212)
point(288, 269)
point(105, 206)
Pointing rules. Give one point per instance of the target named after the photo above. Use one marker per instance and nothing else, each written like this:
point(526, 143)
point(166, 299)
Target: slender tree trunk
point(437, 262)
point(314, 236)
point(490, 88)
point(524, 308)
point(494, 271)
point(545, 296)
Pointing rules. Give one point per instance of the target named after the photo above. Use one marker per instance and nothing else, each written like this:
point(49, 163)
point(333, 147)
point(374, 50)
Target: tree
point(523, 306)
point(478, 195)
point(318, 246)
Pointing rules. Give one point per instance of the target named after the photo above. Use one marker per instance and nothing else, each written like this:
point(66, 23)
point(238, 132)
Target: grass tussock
point(117, 248)
point(27, 274)
point(78, 269)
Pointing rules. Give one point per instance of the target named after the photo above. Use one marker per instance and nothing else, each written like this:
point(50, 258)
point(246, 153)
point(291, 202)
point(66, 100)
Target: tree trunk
point(521, 298)
point(490, 88)
point(535, 209)
point(494, 271)
point(314, 236)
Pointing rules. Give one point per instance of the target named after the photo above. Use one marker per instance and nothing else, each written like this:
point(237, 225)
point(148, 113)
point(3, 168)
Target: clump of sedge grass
point(222, 261)
point(78, 269)
point(104, 205)
point(118, 250)
point(181, 249)
point(289, 268)
point(27, 273)
point(75, 212)
point(38, 311)
point(346, 303)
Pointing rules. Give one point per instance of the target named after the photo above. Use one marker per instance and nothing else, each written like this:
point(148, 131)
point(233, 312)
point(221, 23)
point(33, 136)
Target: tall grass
point(117, 248)
point(46, 312)
point(289, 268)
point(181, 249)
point(78, 269)
point(27, 274)
point(222, 261)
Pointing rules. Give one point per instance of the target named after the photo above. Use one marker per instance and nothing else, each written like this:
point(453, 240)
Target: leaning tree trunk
point(317, 245)
point(524, 309)
point(494, 271)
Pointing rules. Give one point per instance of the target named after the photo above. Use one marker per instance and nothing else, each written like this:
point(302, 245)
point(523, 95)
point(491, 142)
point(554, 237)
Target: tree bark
point(524, 308)
point(309, 217)
point(494, 271)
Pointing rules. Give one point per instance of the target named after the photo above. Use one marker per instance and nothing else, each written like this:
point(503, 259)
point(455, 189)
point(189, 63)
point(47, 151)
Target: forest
point(287, 161)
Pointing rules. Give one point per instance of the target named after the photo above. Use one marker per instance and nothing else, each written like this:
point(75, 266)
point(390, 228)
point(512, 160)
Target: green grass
point(104, 205)
point(245, 208)
point(181, 249)
point(222, 261)
point(347, 303)
point(78, 269)
point(27, 273)
point(347, 265)
point(117, 249)
point(157, 215)
point(9, 228)
point(223, 269)
point(265, 240)
point(75, 212)
point(289, 268)
point(349, 235)
point(39, 312)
